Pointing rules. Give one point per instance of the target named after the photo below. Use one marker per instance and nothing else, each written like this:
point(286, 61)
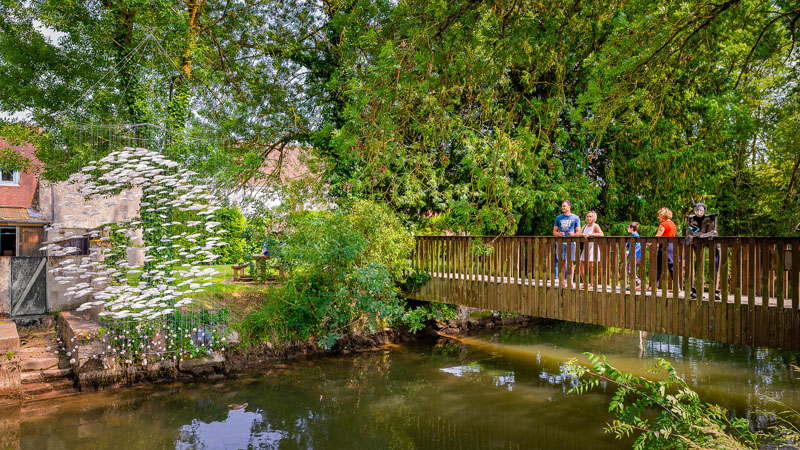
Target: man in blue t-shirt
point(567, 224)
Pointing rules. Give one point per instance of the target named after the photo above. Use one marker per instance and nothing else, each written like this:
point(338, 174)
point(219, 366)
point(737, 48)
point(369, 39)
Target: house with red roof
point(21, 220)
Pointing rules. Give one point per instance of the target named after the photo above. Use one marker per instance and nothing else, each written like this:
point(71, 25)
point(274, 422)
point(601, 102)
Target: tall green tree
point(480, 114)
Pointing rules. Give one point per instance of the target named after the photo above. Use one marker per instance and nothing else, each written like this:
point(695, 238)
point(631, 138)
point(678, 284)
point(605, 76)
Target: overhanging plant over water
point(151, 310)
point(662, 414)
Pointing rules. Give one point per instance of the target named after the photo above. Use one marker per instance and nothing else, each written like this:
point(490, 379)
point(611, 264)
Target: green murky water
point(500, 389)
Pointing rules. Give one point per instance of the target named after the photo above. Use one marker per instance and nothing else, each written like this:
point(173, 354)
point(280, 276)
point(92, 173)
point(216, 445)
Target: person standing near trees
point(666, 228)
point(591, 229)
point(702, 225)
point(566, 225)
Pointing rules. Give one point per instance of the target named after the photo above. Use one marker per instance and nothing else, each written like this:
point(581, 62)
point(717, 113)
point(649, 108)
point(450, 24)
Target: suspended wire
point(114, 70)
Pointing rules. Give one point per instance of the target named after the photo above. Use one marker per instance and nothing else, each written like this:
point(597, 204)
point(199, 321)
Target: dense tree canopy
point(480, 114)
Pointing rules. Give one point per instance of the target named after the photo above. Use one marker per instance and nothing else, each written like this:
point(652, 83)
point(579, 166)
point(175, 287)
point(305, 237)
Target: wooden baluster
point(527, 283)
point(662, 285)
point(736, 275)
point(609, 315)
point(780, 254)
point(635, 290)
point(727, 310)
point(650, 300)
point(485, 268)
point(673, 301)
point(712, 285)
point(794, 285)
point(697, 307)
point(763, 310)
point(751, 276)
point(588, 298)
point(552, 267)
point(546, 266)
point(602, 260)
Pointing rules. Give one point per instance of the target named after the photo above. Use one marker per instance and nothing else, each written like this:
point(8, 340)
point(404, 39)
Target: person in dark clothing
point(701, 225)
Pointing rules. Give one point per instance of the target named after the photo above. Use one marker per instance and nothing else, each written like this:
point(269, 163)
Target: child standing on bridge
point(591, 229)
point(633, 261)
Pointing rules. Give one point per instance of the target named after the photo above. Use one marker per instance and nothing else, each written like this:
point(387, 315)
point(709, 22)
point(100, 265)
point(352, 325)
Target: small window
point(9, 176)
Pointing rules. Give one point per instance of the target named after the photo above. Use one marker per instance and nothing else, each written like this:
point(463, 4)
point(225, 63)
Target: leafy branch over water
point(665, 414)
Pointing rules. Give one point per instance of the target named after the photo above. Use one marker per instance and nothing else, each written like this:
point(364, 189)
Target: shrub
point(681, 420)
point(232, 220)
point(343, 268)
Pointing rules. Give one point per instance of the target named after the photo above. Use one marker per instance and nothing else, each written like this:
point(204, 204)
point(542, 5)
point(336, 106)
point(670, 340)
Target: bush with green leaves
point(343, 267)
point(232, 220)
point(663, 414)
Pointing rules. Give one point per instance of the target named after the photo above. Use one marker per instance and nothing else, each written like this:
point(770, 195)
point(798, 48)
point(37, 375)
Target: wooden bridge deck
point(758, 285)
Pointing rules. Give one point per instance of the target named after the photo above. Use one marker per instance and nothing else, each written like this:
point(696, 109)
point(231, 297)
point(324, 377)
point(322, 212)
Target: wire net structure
point(149, 279)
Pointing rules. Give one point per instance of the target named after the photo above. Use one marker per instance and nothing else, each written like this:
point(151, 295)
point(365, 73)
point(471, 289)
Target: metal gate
point(28, 288)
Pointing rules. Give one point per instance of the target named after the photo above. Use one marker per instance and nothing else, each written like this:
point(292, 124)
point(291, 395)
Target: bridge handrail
point(747, 267)
point(757, 279)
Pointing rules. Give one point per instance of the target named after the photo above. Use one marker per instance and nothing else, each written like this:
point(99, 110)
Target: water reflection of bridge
point(757, 303)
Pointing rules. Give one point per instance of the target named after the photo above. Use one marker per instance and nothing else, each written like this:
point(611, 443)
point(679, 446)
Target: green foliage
point(342, 266)
point(232, 220)
point(663, 414)
point(255, 236)
point(414, 280)
point(415, 318)
point(461, 115)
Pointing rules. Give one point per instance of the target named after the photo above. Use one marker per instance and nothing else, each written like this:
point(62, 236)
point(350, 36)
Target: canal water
point(498, 389)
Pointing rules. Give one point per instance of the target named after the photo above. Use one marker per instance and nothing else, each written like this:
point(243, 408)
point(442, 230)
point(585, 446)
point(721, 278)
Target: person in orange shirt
point(667, 228)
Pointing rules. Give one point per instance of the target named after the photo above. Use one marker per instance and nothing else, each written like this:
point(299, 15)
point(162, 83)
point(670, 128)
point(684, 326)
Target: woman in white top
point(589, 230)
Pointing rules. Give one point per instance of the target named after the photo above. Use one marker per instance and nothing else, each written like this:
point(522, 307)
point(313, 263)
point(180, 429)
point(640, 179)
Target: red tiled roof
point(20, 215)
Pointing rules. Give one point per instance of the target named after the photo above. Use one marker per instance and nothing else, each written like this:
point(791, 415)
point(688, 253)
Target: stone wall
point(9, 358)
point(62, 204)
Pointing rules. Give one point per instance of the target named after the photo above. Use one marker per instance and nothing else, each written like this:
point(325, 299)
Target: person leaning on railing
point(566, 225)
point(702, 225)
point(666, 228)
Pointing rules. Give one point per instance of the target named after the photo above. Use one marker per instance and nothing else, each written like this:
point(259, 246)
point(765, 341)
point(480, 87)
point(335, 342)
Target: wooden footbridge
point(756, 304)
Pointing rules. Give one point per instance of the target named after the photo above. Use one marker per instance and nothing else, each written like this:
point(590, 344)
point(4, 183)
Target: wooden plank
point(660, 301)
point(675, 288)
point(550, 274)
point(527, 285)
point(728, 334)
point(621, 296)
point(762, 284)
point(712, 304)
point(794, 285)
point(653, 287)
point(587, 297)
point(610, 314)
point(780, 293)
point(551, 247)
point(737, 290)
point(537, 273)
point(602, 261)
point(751, 291)
point(630, 300)
point(567, 294)
point(701, 325)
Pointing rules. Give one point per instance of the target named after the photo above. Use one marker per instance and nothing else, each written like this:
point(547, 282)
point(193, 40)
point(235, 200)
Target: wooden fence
point(757, 280)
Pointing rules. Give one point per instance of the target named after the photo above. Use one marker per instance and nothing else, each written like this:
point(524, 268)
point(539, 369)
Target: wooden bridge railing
point(756, 304)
